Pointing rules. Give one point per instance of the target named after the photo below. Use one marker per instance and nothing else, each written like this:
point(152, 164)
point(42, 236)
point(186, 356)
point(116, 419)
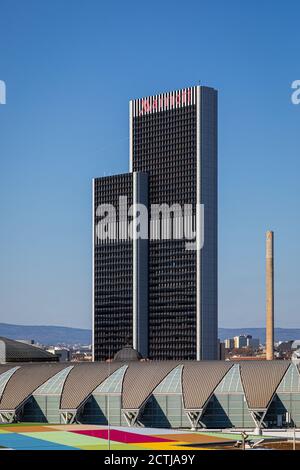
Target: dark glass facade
point(164, 144)
point(177, 146)
point(157, 294)
point(112, 273)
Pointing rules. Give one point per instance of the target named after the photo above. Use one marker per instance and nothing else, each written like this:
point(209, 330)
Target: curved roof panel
point(199, 380)
point(231, 383)
point(141, 379)
point(113, 383)
point(5, 367)
point(82, 381)
point(25, 381)
point(16, 351)
point(260, 380)
point(4, 378)
point(291, 381)
point(54, 385)
point(172, 383)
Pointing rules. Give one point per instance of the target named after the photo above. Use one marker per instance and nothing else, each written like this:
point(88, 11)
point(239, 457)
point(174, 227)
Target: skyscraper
point(118, 262)
point(173, 293)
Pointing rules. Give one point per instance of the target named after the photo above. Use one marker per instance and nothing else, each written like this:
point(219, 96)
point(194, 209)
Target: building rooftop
point(136, 381)
point(17, 351)
point(127, 354)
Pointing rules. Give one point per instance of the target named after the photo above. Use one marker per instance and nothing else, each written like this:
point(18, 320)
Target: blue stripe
point(19, 442)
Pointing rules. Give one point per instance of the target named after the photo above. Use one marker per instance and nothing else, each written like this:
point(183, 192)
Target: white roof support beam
point(131, 416)
point(7, 417)
point(258, 417)
point(68, 417)
point(194, 417)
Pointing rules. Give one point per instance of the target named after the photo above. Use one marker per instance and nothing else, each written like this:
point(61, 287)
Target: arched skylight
point(54, 385)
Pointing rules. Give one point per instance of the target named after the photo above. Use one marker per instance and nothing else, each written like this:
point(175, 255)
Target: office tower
point(173, 137)
point(169, 302)
point(229, 343)
point(240, 341)
point(120, 273)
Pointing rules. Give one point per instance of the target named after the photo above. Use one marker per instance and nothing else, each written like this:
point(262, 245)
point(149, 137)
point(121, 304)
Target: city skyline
point(58, 129)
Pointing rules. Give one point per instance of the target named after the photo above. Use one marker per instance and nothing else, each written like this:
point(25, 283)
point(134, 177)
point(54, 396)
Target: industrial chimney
point(270, 295)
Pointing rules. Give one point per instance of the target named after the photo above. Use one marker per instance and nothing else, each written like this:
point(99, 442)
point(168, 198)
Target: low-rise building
point(175, 394)
point(64, 354)
point(19, 351)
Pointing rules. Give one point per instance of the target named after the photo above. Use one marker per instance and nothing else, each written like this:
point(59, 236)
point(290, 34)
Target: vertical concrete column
point(207, 196)
point(199, 342)
point(270, 295)
point(140, 271)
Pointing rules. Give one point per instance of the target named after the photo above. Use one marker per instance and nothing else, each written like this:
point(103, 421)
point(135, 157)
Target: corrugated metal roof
point(82, 381)
point(141, 379)
point(24, 381)
point(260, 380)
point(199, 379)
point(5, 367)
point(15, 351)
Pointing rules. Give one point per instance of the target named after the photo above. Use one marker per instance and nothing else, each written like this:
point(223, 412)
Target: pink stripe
point(121, 436)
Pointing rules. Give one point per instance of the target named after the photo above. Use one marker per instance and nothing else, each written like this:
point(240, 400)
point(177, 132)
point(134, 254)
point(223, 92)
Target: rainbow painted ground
point(92, 437)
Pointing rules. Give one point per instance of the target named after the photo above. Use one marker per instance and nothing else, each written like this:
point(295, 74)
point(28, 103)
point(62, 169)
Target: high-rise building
point(169, 294)
point(252, 343)
point(229, 343)
point(240, 341)
point(117, 263)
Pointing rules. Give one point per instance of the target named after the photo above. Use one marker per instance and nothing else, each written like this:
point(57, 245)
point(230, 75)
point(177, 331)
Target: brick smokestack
point(270, 295)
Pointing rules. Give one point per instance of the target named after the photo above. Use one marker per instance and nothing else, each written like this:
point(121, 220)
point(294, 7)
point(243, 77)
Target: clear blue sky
point(71, 67)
